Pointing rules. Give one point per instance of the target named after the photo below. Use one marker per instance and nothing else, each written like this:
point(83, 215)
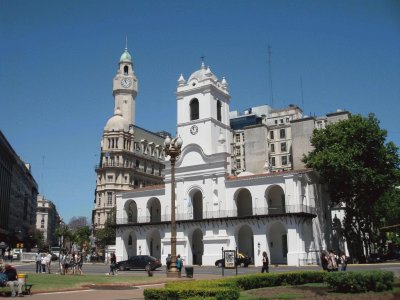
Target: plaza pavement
point(112, 294)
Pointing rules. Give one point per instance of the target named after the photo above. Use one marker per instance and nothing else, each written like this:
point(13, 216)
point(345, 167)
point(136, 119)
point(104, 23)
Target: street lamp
point(173, 149)
point(60, 243)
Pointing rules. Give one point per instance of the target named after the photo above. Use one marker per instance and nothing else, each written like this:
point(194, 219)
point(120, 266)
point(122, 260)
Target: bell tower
point(203, 111)
point(125, 87)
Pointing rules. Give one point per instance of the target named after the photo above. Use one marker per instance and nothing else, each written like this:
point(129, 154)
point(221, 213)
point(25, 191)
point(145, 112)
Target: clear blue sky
point(58, 59)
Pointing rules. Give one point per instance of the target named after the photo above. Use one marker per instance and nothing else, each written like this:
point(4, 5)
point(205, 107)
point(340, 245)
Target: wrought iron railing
point(215, 214)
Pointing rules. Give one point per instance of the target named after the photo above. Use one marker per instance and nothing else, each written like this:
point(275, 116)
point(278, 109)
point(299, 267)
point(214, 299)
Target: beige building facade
point(130, 157)
point(47, 220)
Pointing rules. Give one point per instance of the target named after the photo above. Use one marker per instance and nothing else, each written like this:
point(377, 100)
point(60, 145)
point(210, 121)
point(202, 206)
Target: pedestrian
point(168, 261)
point(79, 263)
point(332, 264)
point(48, 262)
point(179, 262)
point(265, 262)
point(43, 263)
point(343, 261)
point(324, 260)
point(11, 280)
point(38, 259)
point(113, 263)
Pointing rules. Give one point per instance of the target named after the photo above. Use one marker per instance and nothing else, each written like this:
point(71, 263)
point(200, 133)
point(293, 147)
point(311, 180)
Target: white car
point(17, 252)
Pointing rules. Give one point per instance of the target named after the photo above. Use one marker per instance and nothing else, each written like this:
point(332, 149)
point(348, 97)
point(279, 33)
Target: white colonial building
point(284, 213)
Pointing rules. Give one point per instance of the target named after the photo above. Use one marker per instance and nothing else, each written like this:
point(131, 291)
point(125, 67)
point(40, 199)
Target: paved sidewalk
point(111, 294)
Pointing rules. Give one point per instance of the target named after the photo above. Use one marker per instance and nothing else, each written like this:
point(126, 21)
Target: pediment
point(193, 155)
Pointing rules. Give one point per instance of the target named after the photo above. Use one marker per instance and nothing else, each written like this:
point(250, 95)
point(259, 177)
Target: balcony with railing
point(217, 214)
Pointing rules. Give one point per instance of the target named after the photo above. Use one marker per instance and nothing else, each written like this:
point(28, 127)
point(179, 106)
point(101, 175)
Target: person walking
point(79, 263)
point(113, 263)
point(332, 264)
point(168, 261)
point(265, 262)
point(179, 262)
point(343, 261)
point(43, 263)
point(38, 259)
point(48, 262)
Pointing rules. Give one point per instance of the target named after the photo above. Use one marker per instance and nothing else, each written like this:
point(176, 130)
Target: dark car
point(145, 262)
point(376, 258)
point(241, 260)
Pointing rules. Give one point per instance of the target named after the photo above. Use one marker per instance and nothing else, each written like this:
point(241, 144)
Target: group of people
point(179, 262)
point(330, 261)
point(43, 262)
point(8, 277)
point(70, 263)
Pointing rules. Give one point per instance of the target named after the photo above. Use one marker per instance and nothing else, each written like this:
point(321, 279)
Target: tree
point(358, 167)
point(106, 236)
point(36, 238)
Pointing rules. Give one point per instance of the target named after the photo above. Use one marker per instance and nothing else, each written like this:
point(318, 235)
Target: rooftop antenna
point(301, 89)
point(270, 75)
point(42, 180)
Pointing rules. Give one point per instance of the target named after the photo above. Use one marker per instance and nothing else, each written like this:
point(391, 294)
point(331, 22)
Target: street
point(101, 268)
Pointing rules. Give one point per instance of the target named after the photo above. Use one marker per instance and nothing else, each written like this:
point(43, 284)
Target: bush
point(219, 293)
point(216, 289)
point(256, 281)
point(229, 288)
point(356, 282)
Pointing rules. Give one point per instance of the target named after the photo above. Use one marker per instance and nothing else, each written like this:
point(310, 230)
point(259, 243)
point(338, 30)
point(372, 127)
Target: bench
point(28, 288)
point(5, 291)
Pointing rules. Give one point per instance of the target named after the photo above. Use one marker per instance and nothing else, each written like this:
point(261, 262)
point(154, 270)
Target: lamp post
point(173, 149)
point(60, 243)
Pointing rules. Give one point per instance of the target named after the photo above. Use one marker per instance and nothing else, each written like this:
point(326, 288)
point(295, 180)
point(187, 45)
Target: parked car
point(17, 252)
point(146, 262)
point(241, 260)
point(376, 258)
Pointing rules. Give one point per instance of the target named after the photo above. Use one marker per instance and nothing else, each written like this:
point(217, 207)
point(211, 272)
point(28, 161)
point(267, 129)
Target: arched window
point(126, 69)
point(219, 107)
point(194, 109)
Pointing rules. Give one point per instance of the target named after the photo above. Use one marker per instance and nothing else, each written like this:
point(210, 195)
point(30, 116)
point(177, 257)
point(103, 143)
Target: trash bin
point(21, 278)
point(189, 272)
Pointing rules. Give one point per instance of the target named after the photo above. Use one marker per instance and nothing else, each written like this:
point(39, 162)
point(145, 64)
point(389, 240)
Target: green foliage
point(358, 167)
point(214, 289)
point(106, 236)
point(356, 282)
point(255, 281)
point(229, 288)
point(218, 293)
